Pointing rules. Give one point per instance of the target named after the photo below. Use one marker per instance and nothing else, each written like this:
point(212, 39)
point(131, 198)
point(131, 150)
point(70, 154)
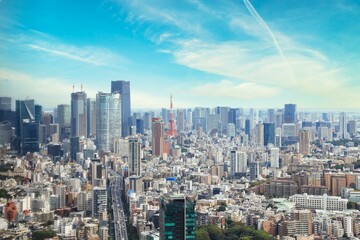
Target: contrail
point(263, 24)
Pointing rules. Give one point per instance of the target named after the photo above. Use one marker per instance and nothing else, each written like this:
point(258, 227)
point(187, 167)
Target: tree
point(10, 211)
point(222, 208)
point(43, 234)
point(4, 194)
point(351, 205)
point(202, 234)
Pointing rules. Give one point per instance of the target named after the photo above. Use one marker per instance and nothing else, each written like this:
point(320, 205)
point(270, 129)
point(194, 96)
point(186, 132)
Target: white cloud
point(88, 54)
point(48, 92)
point(228, 89)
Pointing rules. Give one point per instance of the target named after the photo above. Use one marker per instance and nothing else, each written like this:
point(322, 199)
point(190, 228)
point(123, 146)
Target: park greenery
point(234, 231)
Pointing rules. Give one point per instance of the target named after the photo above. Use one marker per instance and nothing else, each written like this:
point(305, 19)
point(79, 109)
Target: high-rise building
point(30, 137)
point(275, 157)
point(290, 113)
point(63, 119)
point(247, 127)
point(99, 201)
point(269, 133)
point(177, 217)
point(38, 113)
point(78, 114)
point(259, 131)
point(123, 87)
point(230, 130)
point(91, 117)
point(140, 126)
point(134, 156)
point(343, 133)
point(254, 170)
point(5, 109)
point(25, 109)
point(5, 132)
point(351, 127)
point(304, 142)
point(238, 161)
point(180, 119)
point(271, 115)
point(108, 120)
point(158, 137)
point(224, 115)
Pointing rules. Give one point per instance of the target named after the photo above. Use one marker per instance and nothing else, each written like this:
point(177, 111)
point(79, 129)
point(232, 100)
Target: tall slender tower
point(123, 87)
point(78, 114)
point(172, 128)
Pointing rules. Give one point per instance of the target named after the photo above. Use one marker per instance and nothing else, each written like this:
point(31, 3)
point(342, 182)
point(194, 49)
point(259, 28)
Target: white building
point(275, 157)
point(323, 202)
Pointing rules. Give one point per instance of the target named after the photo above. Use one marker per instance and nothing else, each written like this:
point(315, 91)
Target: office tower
point(259, 131)
point(74, 147)
point(290, 113)
point(304, 142)
point(177, 217)
point(172, 126)
point(99, 201)
point(147, 120)
point(54, 132)
point(325, 117)
point(254, 170)
point(180, 119)
point(224, 115)
point(38, 114)
point(5, 109)
point(189, 119)
point(275, 157)
point(96, 172)
point(269, 133)
point(230, 130)
point(343, 134)
point(47, 119)
point(108, 120)
point(247, 127)
point(278, 118)
point(91, 117)
point(238, 163)
point(232, 115)
point(157, 137)
point(271, 115)
point(78, 114)
point(351, 127)
point(5, 132)
point(213, 122)
point(278, 138)
point(134, 156)
point(123, 87)
point(25, 109)
point(63, 119)
point(42, 134)
point(30, 137)
point(140, 126)
point(60, 190)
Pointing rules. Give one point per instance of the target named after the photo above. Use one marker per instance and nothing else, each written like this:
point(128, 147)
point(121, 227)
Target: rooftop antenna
point(73, 88)
point(81, 87)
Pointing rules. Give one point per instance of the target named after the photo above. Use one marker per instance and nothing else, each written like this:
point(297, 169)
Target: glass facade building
point(123, 87)
point(177, 217)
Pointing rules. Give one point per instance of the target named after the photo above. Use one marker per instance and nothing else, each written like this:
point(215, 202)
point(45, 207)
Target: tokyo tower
point(172, 128)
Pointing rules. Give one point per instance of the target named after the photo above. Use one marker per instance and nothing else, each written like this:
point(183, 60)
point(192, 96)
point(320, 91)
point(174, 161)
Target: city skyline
point(239, 54)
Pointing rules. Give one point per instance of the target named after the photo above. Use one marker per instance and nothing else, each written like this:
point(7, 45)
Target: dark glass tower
point(30, 137)
point(290, 113)
point(5, 109)
point(247, 127)
point(123, 87)
point(38, 113)
point(177, 217)
point(25, 109)
point(269, 133)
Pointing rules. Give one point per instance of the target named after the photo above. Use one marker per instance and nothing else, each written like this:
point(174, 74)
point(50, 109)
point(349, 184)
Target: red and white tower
point(172, 128)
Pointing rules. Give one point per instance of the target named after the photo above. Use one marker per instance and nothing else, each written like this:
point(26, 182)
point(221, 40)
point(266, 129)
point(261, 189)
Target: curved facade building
point(108, 120)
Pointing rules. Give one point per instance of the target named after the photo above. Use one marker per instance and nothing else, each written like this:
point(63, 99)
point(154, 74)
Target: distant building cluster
point(94, 169)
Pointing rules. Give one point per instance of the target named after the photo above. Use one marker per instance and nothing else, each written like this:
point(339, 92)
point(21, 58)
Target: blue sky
point(206, 53)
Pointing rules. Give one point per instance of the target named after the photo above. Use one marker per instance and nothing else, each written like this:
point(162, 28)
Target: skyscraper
point(259, 134)
point(99, 201)
point(63, 118)
point(108, 120)
point(25, 109)
point(290, 113)
point(238, 161)
point(177, 217)
point(78, 114)
point(134, 156)
point(304, 142)
point(343, 133)
point(275, 157)
point(157, 137)
point(91, 117)
point(123, 87)
point(269, 133)
point(5, 109)
point(30, 137)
